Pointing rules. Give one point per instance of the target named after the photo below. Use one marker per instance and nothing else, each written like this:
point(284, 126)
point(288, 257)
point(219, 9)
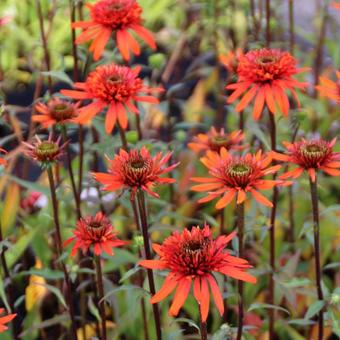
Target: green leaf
point(314, 308)
point(122, 289)
point(47, 273)
point(30, 185)
point(55, 291)
point(60, 75)
point(188, 321)
point(129, 273)
point(301, 322)
point(296, 282)
point(93, 309)
point(258, 305)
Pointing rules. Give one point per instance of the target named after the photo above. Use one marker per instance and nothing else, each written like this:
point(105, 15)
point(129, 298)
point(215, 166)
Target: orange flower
point(329, 88)
point(44, 152)
point(230, 60)
point(5, 319)
point(95, 231)
point(120, 17)
point(56, 111)
point(193, 256)
point(2, 160)
point(235, 176)
point(115, 87)
point(310, 155)
point(214, 141)
point(265, 75)
point(335, 5)
point(136, 170)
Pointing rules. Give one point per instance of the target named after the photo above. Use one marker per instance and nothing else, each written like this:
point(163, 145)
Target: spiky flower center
point(46, 150)
point(239, 169)
point(62, 111)
point(314, 153)
point(266, 60)
point(113, 83)
point(116, 14)
point(217, 142)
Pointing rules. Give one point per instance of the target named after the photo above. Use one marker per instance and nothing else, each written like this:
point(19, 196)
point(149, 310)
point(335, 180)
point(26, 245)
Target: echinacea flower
point(329, 88)
point(135, 170)
point(310, 155)
point(113, 87)
point(44, 152)
point(57, 111)
point(193, 257)
point(236, 176)
point(2, 160)
point(265, 75)
point(5, 319)
point(335, 5)
point(114, 16)
point(95, 231)
point(214, 141)
point(230, 60)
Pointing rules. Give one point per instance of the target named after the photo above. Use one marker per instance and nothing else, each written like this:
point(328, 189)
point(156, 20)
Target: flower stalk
point(240, 226)
point(143, 226)
point(59, 252)
point(101, 302)
point(203, 328)
point(316, 232)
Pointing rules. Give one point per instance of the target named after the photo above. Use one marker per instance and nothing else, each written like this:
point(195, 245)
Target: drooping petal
point(181, 295)
point(168, 286)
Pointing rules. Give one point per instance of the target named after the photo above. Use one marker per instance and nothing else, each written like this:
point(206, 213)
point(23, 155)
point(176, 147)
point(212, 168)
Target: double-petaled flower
point(56, 111)
point(329, 88)
point(311, 156)
point(234, 176)
point(265, 75)
point(136, 170)
point(97, 232)
point(214, 141)
point(118, 17)
point(113, 87)
point(193, 257)
point(44, 152)
point(5, 319)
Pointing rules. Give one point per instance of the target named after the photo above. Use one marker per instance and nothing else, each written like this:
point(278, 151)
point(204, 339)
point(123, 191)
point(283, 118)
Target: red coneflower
point(136, 170)
point(193, 256)
point(214, 141)
point(234, 175)
point(115, 87)
point(45, 152)
point(2, 160)
point(57, 111)
point(265, 75)
point(114, 16)
point(329, 88)
point(310, 155)
point(4, 320)
point(95, 231)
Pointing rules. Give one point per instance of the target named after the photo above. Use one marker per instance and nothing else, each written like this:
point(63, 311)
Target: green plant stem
point(291, 27)
point(123, 137)
point(9, 288)
point(59, 252)
point(101, 295)
point(143, 225)
point(70, 170)
point(240, 226)
point(138, 127)
point(316, 231)
point(272, 130)
point(268, 15)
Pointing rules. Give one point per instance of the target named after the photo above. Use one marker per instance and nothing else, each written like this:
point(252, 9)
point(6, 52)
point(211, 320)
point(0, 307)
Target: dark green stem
point(59, 252)
point(316, 231)
point(101, 295)
point(268, 15)
point(123, 138)
point(240, 226)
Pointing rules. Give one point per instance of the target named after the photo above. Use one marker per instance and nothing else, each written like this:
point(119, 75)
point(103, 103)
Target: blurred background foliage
point(190, 35)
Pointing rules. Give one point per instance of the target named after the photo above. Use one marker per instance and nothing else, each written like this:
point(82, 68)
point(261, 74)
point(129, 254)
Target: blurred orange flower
point(310, 155)
point(214, 141)
point(95, 231)
point(56, 111)
point(115, 87)
point(2, 160)
point(4, 320)
point(230, 60)
point(136, 170)
point(329, 88)
point(236, 176)
point(193, 256)
point(114, 16)
point(265, 75)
